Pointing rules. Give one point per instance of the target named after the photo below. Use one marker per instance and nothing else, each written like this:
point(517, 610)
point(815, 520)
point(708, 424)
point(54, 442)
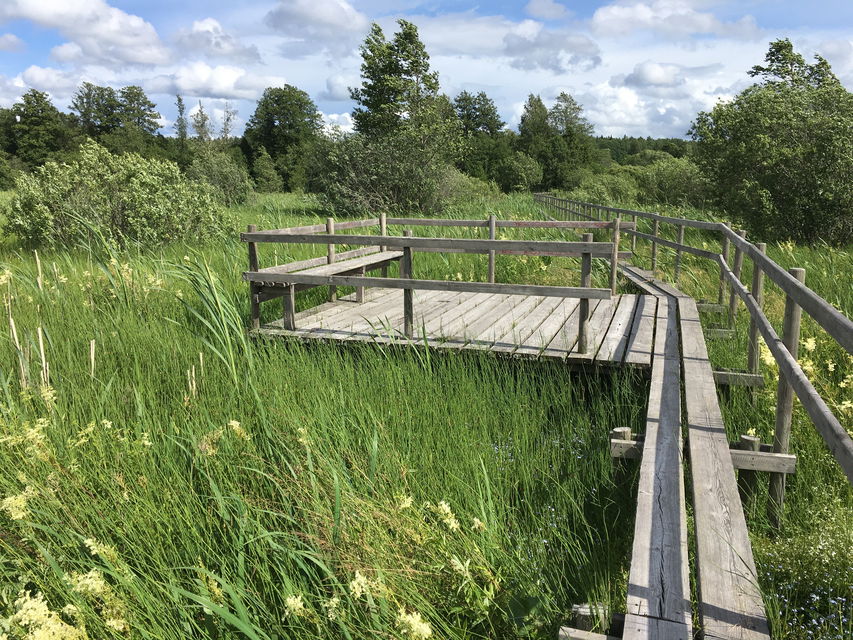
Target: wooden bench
point(365, 260)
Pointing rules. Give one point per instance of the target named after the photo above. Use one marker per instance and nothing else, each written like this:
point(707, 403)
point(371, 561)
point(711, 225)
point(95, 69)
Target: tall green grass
point(169, 478)
point(188, 482)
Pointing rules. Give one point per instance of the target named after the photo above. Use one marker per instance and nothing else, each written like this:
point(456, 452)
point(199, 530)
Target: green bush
point(122, 197)
point(230, 180)
point(360, 176)
point(267, 179)
point(518, 172)
point(670, 180)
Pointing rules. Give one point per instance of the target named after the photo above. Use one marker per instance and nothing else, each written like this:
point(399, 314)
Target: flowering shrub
point(121, 197)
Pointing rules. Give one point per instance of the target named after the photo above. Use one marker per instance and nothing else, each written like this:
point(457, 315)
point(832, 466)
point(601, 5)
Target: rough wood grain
point(658, 582)
point(730, 603)
point(640, 342)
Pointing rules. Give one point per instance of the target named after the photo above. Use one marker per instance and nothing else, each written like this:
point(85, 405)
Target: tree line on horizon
point(776, 158)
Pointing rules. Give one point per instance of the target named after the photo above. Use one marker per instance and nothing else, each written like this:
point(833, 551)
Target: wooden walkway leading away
point(657, 330)
point(621, 328)
point(729, 600)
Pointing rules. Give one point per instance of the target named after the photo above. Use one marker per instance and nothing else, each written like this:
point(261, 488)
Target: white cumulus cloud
point(97, 31)
point(314, 26)
point(673, 18)
point(10, 42)
point(208, 38)
point(546, 9)
point(222, 81)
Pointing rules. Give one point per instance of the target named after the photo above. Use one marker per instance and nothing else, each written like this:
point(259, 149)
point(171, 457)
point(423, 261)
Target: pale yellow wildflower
point(807, 366)
point(332, 607)
point(447, 516)
point(48, 394)
point(103, 550)
point(89, 584)
point(830, 365)
point(302, 438)
point(809, 344)
point(41, 623)
point(238, 430)
point(359, 585)
point(413, 625)
point(5, 277)
point(295, 606)
point(404, 502)
point(17, 506)
point(478, 525)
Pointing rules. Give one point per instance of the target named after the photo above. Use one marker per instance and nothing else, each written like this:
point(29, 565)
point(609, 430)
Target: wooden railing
point(284, 280)
point(799, 297)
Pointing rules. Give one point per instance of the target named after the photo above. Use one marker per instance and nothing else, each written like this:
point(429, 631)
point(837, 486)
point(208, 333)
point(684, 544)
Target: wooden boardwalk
point(713, 592)
point(621, 328)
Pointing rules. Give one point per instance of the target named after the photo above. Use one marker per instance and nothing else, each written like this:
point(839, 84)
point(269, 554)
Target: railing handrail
point(835, 323)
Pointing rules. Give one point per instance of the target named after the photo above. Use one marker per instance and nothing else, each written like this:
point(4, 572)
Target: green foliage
point(121, 197)
point(620, 149)
point(229, 179)
point(558, 139)
point(401, 172)
point(267, 178)
point(779, 154)
point(478, 113)
point(396, 80)
point(38, 131)
point(7, 173)
point(670, 180)
point(518, 172)
point(285, 123)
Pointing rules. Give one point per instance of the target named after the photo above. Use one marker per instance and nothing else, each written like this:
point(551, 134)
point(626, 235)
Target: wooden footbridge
point(657, 330)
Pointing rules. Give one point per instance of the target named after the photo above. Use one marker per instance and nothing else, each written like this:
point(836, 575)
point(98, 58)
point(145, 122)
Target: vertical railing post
point(725, 253)
point(330, 257)
point(655, 231)
point(586, 281)
point(757, 291)
point(634, 237)
point(254, 305)
point(614, 256)
point(492, 236)
point(383, 231)
point(408, 302)
point(785, 403)
point(678, 253)
point(746, 479)
point(733, 297)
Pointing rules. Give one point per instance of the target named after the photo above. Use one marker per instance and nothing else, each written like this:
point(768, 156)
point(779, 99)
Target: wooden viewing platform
point(657, 330)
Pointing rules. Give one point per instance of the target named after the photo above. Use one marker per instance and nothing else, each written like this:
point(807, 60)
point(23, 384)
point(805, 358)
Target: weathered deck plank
point(730, 603)
point(640, 342)
point(659, 583)
point(616, 338)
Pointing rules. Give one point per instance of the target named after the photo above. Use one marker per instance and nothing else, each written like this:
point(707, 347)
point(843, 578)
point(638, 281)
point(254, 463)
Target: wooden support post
point(738, 265)
point(383, 229)
point(408, 306)
point(288, 303)
point(725, 253)
point(492, 230)
point(254, 305)
point(359, 291)
point(330, 257)
point(757, 291)
point(614, 257)
point(586, 281)
point(746, 479)
point(633, 237)
point(785, 402)
point(678, 253)
point(655, 231)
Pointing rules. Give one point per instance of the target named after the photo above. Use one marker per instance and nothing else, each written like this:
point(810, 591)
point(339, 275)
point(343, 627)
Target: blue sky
point(638, 67)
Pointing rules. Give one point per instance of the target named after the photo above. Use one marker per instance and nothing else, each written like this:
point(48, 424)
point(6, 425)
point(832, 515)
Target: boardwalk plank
point(658, 582)
point(536, 343)
point(616, 339)
point(639, 348)
point(730, 603)
point(521, 333)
